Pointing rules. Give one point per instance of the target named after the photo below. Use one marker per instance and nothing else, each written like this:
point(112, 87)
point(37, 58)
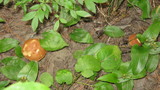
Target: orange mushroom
point(32, 50)
point(134, 40)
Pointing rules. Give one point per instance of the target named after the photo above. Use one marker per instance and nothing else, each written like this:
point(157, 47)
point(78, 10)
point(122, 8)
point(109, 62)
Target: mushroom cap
point(134, 40)
point(32, 50)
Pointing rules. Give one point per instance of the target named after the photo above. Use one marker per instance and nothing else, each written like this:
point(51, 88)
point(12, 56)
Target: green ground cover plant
point(95, 58)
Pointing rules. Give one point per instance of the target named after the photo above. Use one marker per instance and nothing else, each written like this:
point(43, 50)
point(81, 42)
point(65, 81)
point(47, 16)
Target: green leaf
point(155, 49)
point(81, 36)
point(35, 7)
point(6, 2)
point(113, 31)
point(117, 77)
point(128, 85)
point(3, 84)
point(29, 71)
point(139, 57)
point(2, 20)
point(46, 79)
point(144, 5)
point(81, 1)
point(110, 57)
point(1, 1)
point(56, 25)
point(64, 76)
point(124, 67)
point(152, 32)
point(87, 73)
point(68, 5)
point(70, 20)
point(94, 77)
point(63, 20)
point(52, 41)
point(34, 23)
point(87, 65)
point(18, 51)
point(40, 15)
point(94, 48)
point(7, 44)
point(90, 5)
point(99, 1)
point(83, 13)
point(156, 14)
point(103, 86)
point(111, 77)
point(12, 66)
point(29, 16)
point(152, 62)
point(73, 14)
point(44, 7)
point(77, 54)
point(49, 8)
point(139, 75)
point(27, 86)
point(55, 6)
point(46, 14)
point(126, 73)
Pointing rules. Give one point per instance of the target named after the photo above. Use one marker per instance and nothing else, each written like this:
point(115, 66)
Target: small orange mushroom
point(134, 40)
point(32, 50)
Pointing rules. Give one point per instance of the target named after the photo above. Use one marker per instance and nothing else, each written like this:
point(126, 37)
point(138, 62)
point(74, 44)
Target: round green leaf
point(46, 79)
point(7, 44)
point(81, 35)
point(103, 86)
point(77, 54)
point(93, 49)
point(27, 86)
point(64, 76)
point(87, 65)
point(29, 71)
point(113, 31)
point(12, 66)
point(52, 41)
point(110, 56)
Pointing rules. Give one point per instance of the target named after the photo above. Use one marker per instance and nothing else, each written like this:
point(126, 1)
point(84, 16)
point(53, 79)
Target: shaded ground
point(126, 18)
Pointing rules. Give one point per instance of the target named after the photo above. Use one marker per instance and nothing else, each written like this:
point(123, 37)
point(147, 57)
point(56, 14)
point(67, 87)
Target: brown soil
point(126, 18)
